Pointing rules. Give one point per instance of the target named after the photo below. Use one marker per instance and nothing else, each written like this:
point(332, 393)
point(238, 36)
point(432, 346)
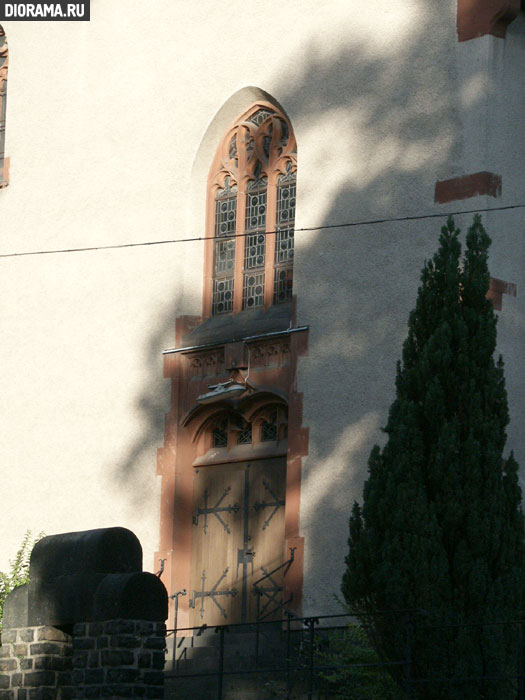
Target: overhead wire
point(321, 227)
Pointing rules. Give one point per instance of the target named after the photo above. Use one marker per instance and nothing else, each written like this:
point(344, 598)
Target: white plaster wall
point(491, 96)
point(457, 108)
point(105, 120)
point(506, 151)
point(111, 127)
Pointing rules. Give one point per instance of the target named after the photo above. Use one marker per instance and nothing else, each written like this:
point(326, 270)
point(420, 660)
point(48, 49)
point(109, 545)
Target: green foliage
point(19, 569)
point(441, 526)
point(360, 676)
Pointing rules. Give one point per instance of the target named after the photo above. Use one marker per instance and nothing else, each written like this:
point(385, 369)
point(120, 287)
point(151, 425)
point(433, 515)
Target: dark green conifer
point(441, 527)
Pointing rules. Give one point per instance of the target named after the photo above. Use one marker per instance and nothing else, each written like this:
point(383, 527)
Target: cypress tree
point(441, 529)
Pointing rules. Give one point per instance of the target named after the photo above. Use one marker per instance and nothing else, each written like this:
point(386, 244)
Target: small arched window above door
point(251, 214)
point(230, 435)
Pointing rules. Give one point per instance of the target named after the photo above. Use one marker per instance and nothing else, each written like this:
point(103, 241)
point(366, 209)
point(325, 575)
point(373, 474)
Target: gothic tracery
point(252, 190)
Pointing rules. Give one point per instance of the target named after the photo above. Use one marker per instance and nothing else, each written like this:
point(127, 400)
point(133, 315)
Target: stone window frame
point(249, 151)
point(232, 422)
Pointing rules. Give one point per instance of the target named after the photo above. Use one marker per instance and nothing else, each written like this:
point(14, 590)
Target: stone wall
point(35, 664)
point(110, 659)
point(119, 659)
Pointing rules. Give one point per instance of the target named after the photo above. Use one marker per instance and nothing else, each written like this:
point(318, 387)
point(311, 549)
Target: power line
point(323, 227)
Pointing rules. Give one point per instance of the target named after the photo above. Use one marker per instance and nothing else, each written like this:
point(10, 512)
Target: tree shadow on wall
point(385, 126)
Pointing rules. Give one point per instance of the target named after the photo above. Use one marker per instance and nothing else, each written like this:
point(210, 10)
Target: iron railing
point(316, 658)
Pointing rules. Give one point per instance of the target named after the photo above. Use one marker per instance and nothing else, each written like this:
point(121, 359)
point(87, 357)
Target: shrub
point(360, 675)
point(441, 526)
point(19, 569)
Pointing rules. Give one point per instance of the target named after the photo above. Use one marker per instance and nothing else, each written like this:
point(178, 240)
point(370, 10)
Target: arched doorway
point(238, 506)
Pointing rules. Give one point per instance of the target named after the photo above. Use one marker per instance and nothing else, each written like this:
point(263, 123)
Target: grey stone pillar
point(91, 583)
point(118, 659)
point(35, 664)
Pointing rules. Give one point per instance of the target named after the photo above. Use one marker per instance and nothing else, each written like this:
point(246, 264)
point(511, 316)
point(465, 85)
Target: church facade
point(213, 223)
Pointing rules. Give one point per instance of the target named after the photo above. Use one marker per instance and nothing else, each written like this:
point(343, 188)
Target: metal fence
point(318, 658)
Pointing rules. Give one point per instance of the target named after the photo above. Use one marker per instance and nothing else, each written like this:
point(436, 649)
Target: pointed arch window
point(284, 236)
point(220, 434)
point(251, 213)
point(232, 434)
point(268, 431)
point(244, 434)
point(224, 254)
point(255, 242)
point(4, 61)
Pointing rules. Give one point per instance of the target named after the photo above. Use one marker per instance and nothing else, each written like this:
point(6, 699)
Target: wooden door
point(238, 539)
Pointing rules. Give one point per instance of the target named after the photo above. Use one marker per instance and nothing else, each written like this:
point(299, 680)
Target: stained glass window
point(283, 284)
point(285, 202)
point(260, 116)
point(268, 431)
point(220, 435)
point(255, 172)
point(222, 295)
point(256, 207)
point(244, 436)
point(224, 256)
point(232, 150)
point(255, 243)
point(254, 251)
point(253, 291)
point(284, 237)
point(284, 245)
point(225, 211)
point(285, 133)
